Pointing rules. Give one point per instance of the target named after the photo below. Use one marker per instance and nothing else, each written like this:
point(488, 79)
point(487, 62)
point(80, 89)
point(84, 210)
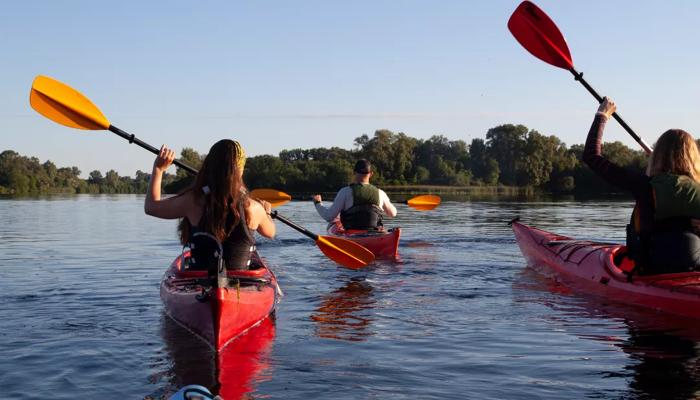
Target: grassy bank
point(458, 193)
point(463, 190)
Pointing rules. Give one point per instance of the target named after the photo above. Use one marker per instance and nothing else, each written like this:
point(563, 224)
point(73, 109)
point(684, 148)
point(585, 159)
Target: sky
point(278, 75)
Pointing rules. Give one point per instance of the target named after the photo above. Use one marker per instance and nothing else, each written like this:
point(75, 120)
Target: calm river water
point(460, 317)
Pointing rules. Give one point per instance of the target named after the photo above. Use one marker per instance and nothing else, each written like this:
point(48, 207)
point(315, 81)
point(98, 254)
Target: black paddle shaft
point(133, 139)
point(579, 77)
point(291, 224)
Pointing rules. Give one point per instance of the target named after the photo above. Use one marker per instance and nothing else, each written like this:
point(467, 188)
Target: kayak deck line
point(570, 244)
point(558, 242)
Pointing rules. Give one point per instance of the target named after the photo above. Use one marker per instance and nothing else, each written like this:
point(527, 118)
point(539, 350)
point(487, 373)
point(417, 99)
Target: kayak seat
point(259, 271)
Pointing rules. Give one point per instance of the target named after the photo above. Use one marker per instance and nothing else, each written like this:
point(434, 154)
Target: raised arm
point(170, 208)
point(616, 175)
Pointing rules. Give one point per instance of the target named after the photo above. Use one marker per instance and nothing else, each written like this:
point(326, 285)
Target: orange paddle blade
point(345, 252)
point(272, 196)
point(65, 105)
point(425, 202)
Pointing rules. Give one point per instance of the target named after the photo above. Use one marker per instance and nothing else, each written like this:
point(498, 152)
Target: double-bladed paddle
point(424, 202)
point(540, 36)
point(62, 104)
point(66, 106)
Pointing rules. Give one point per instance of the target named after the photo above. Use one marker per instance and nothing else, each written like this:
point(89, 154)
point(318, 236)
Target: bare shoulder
point(254, 206)
point(254, 210)
point(190, 200)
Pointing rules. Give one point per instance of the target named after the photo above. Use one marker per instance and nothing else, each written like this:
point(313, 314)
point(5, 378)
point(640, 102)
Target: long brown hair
point(675, 153)
point(219, 187)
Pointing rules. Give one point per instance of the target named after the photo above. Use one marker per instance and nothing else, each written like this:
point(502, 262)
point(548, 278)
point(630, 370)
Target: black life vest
point(237, 248)
point(365, 212)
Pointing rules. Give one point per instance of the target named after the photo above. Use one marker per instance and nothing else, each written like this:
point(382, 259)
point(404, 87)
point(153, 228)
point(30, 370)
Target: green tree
point(505, 144)
point(264, 172)
point(95, 178)
point(141, 181)
point(492, 172)
point(480, 163)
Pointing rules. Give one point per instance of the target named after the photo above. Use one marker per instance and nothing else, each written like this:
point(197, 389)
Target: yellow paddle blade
point(272, 196)
point(425, 202)
point(344, 252)
point(65, 105)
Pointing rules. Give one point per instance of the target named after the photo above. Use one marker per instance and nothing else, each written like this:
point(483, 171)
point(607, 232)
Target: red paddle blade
point(538, 34)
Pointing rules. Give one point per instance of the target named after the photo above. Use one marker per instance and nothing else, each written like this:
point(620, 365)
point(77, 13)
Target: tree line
point(510, 155)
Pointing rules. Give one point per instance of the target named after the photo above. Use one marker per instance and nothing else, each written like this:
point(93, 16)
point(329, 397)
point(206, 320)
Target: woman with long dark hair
point(217, 203)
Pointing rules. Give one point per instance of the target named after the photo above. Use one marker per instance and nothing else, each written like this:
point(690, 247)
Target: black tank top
point(240, 243)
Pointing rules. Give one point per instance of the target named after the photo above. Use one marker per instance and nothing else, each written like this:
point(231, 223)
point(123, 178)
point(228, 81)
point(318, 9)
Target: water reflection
point(236, 371)
point(666, 364)
point(663, 348)
point(345, 314)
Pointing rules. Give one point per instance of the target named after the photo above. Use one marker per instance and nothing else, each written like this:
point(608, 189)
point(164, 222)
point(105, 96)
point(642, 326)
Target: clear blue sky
point(279, 75)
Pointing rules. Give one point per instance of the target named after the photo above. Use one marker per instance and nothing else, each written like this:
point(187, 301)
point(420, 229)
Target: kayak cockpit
point(257, 275)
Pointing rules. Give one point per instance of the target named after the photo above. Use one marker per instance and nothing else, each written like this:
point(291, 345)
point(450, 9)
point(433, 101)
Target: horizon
point(281, 76)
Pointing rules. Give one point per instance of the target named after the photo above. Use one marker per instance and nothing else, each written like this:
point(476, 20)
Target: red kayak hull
point(382, 243)
point(223, 314)
point(589, 267)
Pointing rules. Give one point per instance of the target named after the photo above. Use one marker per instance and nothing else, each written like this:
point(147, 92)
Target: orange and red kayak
point(218, 310)
point(593, 267)
point(384, 243)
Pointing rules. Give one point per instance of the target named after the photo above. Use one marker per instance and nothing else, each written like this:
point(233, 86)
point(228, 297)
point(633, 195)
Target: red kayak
point(217, 315)
point(383, 243)
point(591, 267)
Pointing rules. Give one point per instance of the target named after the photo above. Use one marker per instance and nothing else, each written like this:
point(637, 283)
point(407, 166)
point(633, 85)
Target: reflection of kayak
point(218, 315)
point(231, 373)
point(346, 313)
point(590, 267)
point(246, 362)
point(383, 243)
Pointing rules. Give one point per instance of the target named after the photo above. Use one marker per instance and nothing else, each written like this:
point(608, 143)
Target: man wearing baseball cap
point(360, 204)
